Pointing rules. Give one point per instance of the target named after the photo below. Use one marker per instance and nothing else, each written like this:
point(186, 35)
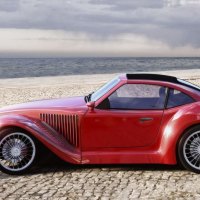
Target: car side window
point(137, 96)
point(178, 98)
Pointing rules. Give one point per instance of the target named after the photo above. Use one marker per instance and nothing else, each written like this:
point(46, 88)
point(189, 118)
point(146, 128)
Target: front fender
point(45, 134)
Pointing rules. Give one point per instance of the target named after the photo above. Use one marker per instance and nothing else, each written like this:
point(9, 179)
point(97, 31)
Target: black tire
point(20, 154)
point(189, 149)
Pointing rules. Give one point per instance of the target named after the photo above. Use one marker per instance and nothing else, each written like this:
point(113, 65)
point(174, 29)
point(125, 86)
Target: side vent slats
point(66, 125)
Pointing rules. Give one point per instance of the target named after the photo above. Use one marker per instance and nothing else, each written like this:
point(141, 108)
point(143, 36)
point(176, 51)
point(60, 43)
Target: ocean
point(37, 67)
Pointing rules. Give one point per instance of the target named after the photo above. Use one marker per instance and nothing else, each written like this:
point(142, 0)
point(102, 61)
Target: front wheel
point(17, 151)
point(189, 149)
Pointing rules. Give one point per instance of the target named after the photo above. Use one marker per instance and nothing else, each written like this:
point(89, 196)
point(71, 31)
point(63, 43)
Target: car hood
point(64, 103)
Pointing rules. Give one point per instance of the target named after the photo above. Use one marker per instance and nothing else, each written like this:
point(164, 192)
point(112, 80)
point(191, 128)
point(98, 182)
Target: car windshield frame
point(104, 89)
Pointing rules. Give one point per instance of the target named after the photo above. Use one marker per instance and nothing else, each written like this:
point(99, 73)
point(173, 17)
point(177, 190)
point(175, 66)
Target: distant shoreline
point(44, 67)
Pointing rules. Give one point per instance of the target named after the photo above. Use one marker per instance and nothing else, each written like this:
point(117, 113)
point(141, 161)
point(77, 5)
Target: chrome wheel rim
point(191, 150)
point(17, 151)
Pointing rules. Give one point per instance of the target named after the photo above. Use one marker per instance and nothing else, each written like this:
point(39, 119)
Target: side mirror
point(91, 105)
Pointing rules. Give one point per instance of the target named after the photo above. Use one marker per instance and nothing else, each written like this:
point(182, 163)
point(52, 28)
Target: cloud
point(176, 3)
point(34, 43)
point(9, 5)
point(129, 4)
point(174, 23)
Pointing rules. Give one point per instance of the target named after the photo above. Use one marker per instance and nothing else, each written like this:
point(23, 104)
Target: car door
point(129, 117)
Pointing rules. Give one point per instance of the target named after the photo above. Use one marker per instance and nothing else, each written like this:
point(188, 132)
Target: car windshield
point(104, 89)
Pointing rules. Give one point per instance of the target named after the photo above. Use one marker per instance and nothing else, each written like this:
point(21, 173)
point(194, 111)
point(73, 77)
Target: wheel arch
point(18, 128)
point(185, 130)
point(23, 130)
point(181, 135)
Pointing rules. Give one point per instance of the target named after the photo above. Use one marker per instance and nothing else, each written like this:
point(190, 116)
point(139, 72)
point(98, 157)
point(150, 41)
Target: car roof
point(160, 77)
point(157, 77)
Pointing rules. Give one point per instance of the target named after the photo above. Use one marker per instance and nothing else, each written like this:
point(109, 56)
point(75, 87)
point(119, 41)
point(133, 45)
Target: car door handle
point(145, 119)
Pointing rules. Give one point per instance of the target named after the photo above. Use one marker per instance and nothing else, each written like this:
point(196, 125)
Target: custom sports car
point(134, 118)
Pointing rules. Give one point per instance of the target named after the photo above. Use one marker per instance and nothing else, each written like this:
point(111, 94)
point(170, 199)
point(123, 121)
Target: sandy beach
point(17, 90)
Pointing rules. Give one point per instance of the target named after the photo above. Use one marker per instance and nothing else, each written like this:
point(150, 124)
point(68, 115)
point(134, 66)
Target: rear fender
point(174, 129)
point(45, 134)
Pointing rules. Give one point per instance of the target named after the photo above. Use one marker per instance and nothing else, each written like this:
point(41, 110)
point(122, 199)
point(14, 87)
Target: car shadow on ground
point(57, 165)
point(60, 166)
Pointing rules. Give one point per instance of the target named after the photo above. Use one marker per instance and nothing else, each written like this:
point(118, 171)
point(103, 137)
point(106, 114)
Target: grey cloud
point(130, 4)
point(9, 5)
point(103, 19)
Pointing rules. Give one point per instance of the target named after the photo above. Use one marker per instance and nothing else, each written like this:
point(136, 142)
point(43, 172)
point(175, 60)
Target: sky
point(62, 28)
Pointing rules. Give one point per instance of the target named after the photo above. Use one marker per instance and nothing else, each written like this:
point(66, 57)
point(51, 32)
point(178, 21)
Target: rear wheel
point(189, 149)
point(17, 151)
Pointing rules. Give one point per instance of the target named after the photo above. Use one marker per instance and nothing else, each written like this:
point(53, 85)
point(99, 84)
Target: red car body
point(80, 133)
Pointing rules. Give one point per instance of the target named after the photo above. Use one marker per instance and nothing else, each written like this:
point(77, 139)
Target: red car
point(134, 118)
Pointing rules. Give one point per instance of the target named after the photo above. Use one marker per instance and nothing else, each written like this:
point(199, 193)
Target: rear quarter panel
point(175, 122)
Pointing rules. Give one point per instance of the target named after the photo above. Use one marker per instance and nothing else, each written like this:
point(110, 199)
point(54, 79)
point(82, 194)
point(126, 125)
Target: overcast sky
point(49, 28)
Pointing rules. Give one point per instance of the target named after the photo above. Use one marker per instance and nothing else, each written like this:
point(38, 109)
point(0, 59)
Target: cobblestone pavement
point(97, 182)
point(61, 181)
